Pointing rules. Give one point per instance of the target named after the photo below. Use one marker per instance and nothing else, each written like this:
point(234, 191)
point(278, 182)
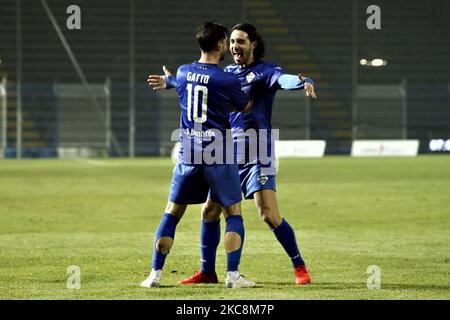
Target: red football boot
point(201, 277)
point(302, 275)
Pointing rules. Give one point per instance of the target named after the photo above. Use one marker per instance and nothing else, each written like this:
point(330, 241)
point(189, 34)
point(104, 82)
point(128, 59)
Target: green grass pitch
point(348, 214)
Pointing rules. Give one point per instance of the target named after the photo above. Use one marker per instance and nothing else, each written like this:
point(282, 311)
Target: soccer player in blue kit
point(206, 94)
point(261, 79)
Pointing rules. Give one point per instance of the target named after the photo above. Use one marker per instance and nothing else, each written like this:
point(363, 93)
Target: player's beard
point(222, 56)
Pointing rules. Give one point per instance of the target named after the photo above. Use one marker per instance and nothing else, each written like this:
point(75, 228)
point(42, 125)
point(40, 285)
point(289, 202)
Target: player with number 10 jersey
point(206, 94)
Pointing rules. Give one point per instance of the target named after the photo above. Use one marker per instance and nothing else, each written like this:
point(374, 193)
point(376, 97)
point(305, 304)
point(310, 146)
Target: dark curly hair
point(253, 35)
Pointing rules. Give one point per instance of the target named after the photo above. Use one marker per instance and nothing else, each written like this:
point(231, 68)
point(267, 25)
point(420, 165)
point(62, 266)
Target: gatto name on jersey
point(197, 77)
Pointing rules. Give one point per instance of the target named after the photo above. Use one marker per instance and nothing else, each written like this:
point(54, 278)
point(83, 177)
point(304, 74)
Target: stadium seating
point(314, 38)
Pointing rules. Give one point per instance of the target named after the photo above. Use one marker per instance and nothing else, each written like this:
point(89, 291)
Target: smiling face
point(241, 48)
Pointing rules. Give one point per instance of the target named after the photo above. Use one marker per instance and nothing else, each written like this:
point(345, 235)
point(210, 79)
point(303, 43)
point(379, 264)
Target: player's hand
point(158, 82)
point(309, 88)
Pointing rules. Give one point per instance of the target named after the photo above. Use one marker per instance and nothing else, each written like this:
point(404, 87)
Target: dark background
point(321, 39)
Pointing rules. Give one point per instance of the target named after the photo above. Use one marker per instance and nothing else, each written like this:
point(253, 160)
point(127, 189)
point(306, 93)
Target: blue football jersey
point(260, 80)
point(206, 94)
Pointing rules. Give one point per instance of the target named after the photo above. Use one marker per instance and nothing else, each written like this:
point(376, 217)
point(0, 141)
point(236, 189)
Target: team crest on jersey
point(262, 179)
point(250, 77)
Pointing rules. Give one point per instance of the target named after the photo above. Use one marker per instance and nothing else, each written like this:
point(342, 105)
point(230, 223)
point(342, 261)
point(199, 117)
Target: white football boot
point(153, 279)
point(236, 280)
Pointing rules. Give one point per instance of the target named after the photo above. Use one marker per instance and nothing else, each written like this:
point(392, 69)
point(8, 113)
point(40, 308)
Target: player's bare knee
point(176, 209)
point(233, 210)
point(211, 212)
point(164, 244)
point(269, 221)
point(232, 241)
point(270, 218)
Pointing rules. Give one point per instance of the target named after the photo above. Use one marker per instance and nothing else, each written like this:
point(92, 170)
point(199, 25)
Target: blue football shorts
point(191, 184)
point(252, 179)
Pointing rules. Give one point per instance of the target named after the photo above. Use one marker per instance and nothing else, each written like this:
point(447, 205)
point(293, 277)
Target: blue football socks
point(286, 237)
point(166, 228)
point(235, 224)
point(209, 241)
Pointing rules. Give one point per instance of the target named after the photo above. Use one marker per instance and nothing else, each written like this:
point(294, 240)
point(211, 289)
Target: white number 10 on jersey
point(194, 112)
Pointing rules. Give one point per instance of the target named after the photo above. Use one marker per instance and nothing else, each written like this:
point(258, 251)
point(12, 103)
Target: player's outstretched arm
point(296, 82)
point(158, 82)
